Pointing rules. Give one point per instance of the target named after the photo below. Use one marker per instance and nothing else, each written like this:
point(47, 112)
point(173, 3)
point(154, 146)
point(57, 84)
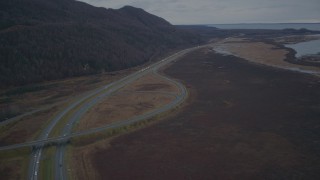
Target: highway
point(17, 118)
point(81, 106)
point(60, 165)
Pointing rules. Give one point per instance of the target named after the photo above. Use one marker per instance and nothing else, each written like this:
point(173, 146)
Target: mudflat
point(263, 53)
point(241, 121)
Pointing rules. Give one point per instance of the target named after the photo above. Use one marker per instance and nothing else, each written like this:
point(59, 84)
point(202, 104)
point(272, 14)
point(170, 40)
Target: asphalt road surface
point(82, 105)
point(60, 166)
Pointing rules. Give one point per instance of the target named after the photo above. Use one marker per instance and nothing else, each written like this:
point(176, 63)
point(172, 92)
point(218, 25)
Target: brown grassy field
point(122, 106)
point(51, 93)
point(14, 163)
point(152, 82)
point(295, 39)
point(25, 99)
point(245, 121)
point(143, 95)
point(262, 53)
point(27, 128)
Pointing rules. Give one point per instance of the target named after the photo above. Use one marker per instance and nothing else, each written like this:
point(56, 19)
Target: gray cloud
point(223, 11)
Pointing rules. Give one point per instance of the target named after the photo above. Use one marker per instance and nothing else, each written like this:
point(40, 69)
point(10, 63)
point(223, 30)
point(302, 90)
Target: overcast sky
point(223, 11)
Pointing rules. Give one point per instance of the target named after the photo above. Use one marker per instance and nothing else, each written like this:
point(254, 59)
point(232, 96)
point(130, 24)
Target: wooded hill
point(53, 39)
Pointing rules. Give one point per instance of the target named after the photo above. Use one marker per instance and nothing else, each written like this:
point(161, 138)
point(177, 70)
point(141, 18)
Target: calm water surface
point(303, 48)
point(277, 26)
point(306, 48)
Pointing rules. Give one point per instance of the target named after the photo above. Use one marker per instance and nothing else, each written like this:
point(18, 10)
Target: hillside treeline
point(54, 39)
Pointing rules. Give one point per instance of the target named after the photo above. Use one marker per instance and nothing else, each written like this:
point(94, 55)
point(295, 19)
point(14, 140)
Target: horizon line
point(252, 23)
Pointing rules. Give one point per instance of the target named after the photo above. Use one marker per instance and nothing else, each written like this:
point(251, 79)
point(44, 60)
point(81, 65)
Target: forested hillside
point(53, 39)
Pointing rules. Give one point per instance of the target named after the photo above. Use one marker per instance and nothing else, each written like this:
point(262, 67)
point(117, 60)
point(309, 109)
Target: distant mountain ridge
point(52, 39)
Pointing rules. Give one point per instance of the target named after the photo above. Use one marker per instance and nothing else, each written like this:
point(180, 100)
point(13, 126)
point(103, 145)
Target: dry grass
point(45, 94)
point(27, 128)
point(151, 82)
point(19, 101)
point(81, 163)
point(246, 122)
point(25, 99)
point(122, 106)
point(14, 164)
point(262, 53)
point(10, 169)
point(145, 94)
point(293, 39)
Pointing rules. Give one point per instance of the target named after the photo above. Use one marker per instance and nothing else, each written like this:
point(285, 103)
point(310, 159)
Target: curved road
point(60, 165)
point(82, 105)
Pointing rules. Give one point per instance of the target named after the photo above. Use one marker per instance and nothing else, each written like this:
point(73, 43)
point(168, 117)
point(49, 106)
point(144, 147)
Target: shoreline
point(291, 56)
point(270, 130)
point(267, 54)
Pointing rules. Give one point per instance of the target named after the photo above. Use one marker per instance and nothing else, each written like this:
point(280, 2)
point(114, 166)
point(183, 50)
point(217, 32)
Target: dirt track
point(245, 122)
